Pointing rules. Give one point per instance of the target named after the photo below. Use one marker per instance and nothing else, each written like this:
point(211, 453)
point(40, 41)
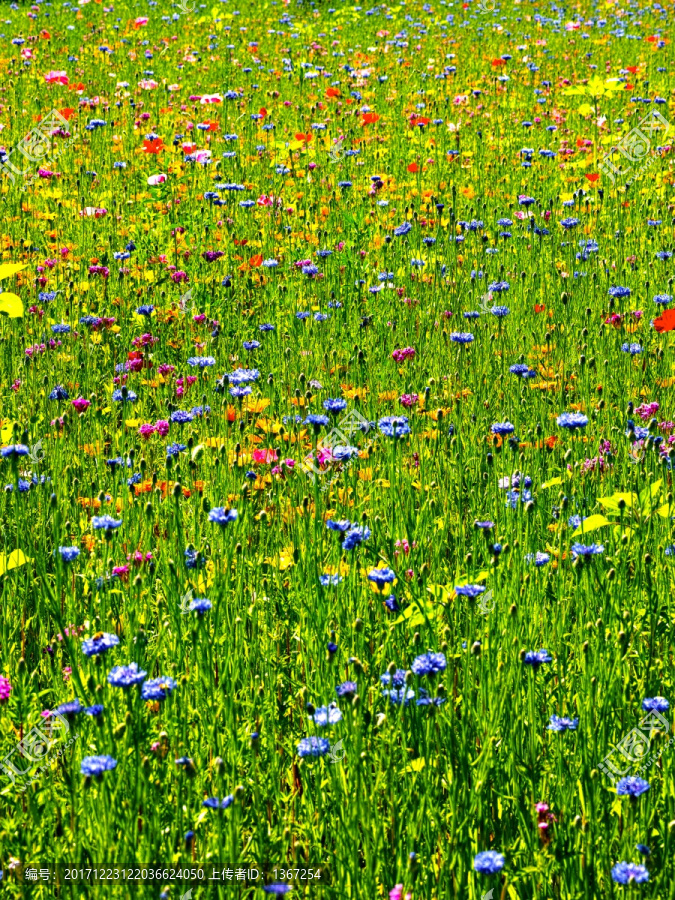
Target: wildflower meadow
point(337, 428)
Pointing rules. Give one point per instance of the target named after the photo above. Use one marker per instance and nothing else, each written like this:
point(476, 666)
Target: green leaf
point(8, 269)
point(612, 503)
point(592, 523)
point(647, 496)
point(11, 305)
point(552, 483)
point(15, 559)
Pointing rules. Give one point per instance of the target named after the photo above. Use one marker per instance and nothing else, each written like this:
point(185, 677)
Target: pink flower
point(81, 404)
point(396, 893)
point(5, 688)
point(54, 77)
point(67, 671)
point(147, 430)
point(157, 179)
point(264, 456)
point(162, 427)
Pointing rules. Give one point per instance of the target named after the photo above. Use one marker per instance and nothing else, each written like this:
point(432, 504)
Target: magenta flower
point(5, 688)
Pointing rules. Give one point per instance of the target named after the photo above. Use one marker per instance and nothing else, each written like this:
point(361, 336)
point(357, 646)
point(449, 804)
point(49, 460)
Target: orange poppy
point(666, 322)
point(155, 145)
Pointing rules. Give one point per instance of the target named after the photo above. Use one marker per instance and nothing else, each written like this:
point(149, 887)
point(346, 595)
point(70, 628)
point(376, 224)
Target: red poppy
point(79, 87)
point(498, 62)
point(592, 176)
point(369, 118)
point(666, 322)
point(153, 146)
point(45, 35)
point(413, 167)
point(629, 87)
point(419, 120)
point(539, 307)
point(67, 113)
point(632, 69)
point(241, 243)
point(332, 92)
point(255, 261)
point(262, 112)
point(305, 138)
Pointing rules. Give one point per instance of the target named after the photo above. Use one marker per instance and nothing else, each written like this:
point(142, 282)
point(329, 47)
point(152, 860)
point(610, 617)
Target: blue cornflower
point(334, 406)
point(488, 862)
point(97, 765)
point(429, 664)
point(59, 393)
point(355, 537)
point(400, 696)
point(394, 426)
point(346, 689)
point(174, 449)
point(341, 525)
point(572, 420)
point(381, 576)
point(95, 711)
point(655, 704)
point(403, 229)
point(105, 522)
point(14, 450)
point(502, 428)
point(562, 724)
point(251, 345)
point(313, 746)
point(499, 311)
point(100, 643)
point(327, 715)
point(201, 362)
point(498, 287)
point(633, 349)
point(124, 396)
point(469, 590)
point(662, 298)
point(587, 550)
point(200, 605)
point(317, 421)
point(157, 688)
point(341, 452)
point(126, 676)
point(71, 708)
point(619, 292)
point(330, 580)
point(396, 680)
point(222, 516)
point(626, 873)
point(539, 559)
point(146, 309)
point(536, 658)
point(181, 417)
point(69, 554)
point(632, 786)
